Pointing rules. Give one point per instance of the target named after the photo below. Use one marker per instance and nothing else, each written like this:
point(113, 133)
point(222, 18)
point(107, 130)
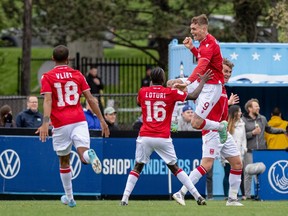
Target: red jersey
point(209, 52)
point(157, 104)
point(66, 86)
point(220, 111)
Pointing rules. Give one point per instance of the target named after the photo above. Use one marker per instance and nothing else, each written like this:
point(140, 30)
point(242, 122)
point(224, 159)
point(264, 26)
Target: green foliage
point(9, 68)
point(140, 208)
point(10, 13)
point(279, 16)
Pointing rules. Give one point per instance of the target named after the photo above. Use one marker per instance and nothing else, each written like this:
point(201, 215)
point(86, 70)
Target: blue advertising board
point(28, 166)
point(274, 181)
point(119, 159)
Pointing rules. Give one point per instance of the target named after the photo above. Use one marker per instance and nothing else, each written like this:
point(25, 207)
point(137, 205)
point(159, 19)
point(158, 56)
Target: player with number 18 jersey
point(66, 86)
point(157, 103)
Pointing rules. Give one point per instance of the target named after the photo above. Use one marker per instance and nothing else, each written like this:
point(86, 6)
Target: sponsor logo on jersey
point(212, 151)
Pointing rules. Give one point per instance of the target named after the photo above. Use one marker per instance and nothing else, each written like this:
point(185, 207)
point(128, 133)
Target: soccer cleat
point(233, 202)
point(223, 132)
point(201, 201)
point(65, 201)
point(179, 198)
point(72, 203)
point(123, 203)
point(94, 161)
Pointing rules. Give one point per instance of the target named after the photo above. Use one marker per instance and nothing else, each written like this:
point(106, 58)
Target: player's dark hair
point(157, 76)
point(60, 53)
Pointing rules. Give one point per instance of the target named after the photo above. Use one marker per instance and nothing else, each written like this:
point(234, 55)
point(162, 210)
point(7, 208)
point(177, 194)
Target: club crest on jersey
point(211, 151)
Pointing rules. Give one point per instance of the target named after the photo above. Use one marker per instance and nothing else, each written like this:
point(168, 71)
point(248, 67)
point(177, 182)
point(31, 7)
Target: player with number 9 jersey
point(157, 104)
point(66, 86)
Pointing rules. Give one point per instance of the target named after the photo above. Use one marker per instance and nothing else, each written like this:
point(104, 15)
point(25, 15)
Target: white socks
point(234, 183)
point(130, 184)
point(189, 186)
point(66, 178)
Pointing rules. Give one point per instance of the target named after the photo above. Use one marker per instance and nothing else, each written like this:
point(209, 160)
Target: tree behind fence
point(121, 76)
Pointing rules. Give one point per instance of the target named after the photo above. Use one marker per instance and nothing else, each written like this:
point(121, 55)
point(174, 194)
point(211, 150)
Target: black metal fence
point(120, 75)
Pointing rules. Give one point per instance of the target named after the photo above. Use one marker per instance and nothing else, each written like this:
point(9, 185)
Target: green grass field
point(139, 208)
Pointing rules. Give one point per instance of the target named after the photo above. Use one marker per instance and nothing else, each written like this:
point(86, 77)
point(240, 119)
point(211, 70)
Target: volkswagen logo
point(278, 176)
point(75, 164)
point(9, 164)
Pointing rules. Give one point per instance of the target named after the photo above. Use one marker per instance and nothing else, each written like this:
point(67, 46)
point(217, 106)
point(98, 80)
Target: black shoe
point(201, 201)
point(123, 203)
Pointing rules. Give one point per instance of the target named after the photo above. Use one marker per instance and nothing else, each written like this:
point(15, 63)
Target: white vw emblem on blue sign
point(9, 164)
point(75, 164)
point(278, 176)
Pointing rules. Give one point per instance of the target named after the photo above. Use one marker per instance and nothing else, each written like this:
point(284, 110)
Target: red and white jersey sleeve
point(66, 86)
point(157, 104)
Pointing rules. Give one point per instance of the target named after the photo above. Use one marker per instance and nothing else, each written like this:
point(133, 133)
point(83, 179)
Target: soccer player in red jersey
point(209, 56)
point(62, 88)
point(212, 148)
point(157, 104)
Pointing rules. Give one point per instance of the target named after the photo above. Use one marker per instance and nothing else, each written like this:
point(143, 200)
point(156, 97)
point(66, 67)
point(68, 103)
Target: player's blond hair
point(228, 63)
point(200, 20)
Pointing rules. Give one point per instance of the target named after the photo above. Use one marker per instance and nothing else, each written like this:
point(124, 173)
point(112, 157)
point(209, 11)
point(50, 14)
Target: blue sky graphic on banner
point(255, 63)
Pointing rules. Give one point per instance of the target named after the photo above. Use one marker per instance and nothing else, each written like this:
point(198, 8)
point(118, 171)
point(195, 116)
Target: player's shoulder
point(212, 40)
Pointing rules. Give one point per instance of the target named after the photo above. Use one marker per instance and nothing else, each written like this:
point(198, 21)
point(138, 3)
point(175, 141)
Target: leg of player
point(66, 178)
point(184, 179)
point(234, 180)
point(195, 175)
point(131, 182)
point(88, 156)
point(206, 124)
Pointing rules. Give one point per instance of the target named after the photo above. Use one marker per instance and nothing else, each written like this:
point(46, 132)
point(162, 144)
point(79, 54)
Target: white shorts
point(212, 148)
point(164, 147)
point(76, 134)
point(208, 97)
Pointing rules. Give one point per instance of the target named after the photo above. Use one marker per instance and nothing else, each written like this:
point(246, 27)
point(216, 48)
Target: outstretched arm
point(204, 78)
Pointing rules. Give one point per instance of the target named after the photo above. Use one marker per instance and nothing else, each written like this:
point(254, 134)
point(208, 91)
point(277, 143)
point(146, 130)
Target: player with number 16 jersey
point(66, 86)
point(157, 104)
